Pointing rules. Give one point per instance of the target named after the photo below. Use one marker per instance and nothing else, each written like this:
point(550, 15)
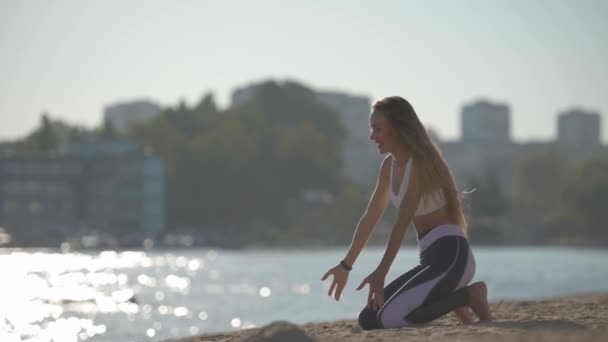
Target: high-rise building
point(122, 115)
point(579, 128)
point(486, 122)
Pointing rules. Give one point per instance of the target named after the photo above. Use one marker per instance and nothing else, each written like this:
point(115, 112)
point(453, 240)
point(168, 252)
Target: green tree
point(486, 206)
point(227, 168)
point(538, 182)
point(108, 128)
point(584, 201)
point(41, 141)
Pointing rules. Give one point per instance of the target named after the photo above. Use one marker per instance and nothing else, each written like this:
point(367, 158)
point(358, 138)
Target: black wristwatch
point(343, 264)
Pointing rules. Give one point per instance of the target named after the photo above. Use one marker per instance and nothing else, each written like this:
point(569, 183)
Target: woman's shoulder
point(384, 172)
point(387, 162)
point(388, 158)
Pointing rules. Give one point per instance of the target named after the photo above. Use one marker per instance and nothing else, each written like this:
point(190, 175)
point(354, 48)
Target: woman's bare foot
point(464, 315)
point(478, 301)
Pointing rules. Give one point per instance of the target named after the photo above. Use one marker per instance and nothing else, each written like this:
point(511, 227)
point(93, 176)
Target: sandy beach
point(570, 318)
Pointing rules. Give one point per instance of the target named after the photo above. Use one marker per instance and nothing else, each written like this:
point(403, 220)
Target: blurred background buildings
point(108, 188)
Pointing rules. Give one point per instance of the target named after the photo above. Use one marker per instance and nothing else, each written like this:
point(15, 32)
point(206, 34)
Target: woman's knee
point(368, 319)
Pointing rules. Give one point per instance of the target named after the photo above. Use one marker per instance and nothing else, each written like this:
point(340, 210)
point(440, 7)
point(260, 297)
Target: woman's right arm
point(372, 214)
point(366, 225)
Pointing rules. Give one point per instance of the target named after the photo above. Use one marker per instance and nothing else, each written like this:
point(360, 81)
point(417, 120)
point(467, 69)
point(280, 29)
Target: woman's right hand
point(340, 278)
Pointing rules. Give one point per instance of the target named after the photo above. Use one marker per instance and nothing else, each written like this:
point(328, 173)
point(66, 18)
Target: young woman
point(415, 177)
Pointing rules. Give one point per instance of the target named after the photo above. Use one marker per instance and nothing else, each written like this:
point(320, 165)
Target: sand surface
point(572, 318)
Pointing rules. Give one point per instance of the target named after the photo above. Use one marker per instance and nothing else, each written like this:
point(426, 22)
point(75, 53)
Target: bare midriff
point(429, 221)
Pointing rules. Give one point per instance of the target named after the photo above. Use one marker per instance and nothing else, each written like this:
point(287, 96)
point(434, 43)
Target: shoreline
point(271, 248)
point(581, 317)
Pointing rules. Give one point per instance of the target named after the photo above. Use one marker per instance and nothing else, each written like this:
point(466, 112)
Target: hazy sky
point(71, 58)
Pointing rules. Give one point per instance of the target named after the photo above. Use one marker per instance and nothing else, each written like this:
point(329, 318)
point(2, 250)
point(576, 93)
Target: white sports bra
point(429, 201)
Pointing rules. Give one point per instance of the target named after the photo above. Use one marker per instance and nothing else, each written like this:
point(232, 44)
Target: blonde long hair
point(430, 166)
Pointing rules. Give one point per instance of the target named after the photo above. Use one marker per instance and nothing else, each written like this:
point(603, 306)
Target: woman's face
point(383, 133)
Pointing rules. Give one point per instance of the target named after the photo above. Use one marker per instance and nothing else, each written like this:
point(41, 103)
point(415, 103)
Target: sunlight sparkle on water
point(146, 280)
point(122, 295)
point(178, 283)
point(181, 261)
point(146, 308)
point(248, 325)
point(235, 322)
point(180, 311)
point(49, 286)
point(302, 289)
point(195, 264)
point(164, 310)
point(265, 292)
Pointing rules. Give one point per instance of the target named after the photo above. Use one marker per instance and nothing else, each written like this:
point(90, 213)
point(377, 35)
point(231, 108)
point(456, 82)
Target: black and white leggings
point(430, 290)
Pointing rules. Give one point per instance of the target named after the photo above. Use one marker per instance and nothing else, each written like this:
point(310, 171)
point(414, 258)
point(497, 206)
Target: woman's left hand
point(375, 299)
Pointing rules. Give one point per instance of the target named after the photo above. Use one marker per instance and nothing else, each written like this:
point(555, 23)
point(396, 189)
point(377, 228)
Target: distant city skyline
point(73, 58)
